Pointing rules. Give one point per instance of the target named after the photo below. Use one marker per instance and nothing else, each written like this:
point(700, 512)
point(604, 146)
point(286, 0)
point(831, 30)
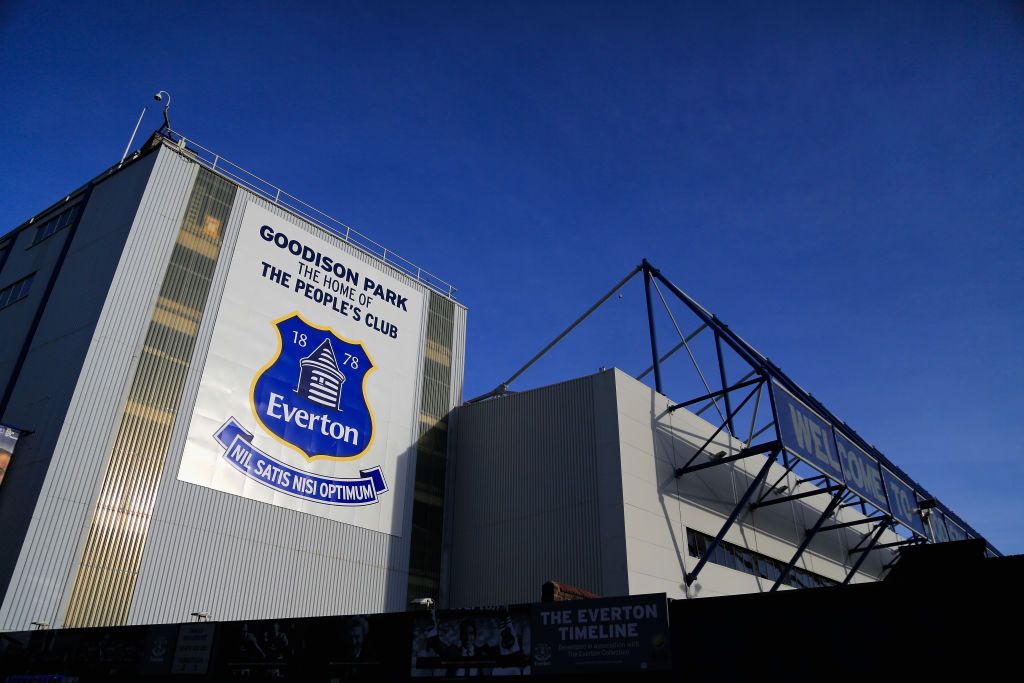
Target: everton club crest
point(311, 396)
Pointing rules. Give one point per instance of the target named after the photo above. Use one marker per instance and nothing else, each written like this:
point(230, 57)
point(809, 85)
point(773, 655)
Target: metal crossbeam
point(857, 522)
point(690, 577)
point(811, 533)
point(708, 406)
point(718, 430)
point(864, 555)
point(745, 453)
point(650, 323)
point(795, 496)
point(894, 544)
point(725, 383)
point(688, 338)
point(788, 467)
point(715, 394)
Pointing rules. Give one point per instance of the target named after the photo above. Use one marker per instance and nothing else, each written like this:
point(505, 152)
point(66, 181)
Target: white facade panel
point(702, 500)
point(45, 572)
point(240, 546)
point(644, 512)
point(203, 549)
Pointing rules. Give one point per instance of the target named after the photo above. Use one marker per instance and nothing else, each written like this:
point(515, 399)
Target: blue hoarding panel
point(806, 435)
point(863, 473)
point(903, 502)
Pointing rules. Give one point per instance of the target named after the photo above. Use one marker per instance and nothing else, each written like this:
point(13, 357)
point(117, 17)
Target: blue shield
point(312, 395)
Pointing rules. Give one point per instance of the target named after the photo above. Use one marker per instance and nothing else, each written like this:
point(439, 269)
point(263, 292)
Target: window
point(749, 562)
point(5, 248)
point(16, 291)
point(56, 223)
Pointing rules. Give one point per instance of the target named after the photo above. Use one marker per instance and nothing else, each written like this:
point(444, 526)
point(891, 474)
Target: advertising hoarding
point(629, 633)
point(307, 398)
point(472, 642)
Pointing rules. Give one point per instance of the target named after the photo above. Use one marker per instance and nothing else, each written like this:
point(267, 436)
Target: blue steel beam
point(870, 546)
point(740, 507)
point(829, 510)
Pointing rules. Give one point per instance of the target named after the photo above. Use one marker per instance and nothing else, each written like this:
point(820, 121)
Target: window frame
point(16, 291)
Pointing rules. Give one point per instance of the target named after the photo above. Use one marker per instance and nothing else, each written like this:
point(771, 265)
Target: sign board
point(8, 439)
point(806, 435)
point(903, 502)
point(937, 524)
point(192, 653)
point(470, 643)
point(817, 442)
point(863, 473)
point(954, 531)
point(307, 399)
point(602, 635)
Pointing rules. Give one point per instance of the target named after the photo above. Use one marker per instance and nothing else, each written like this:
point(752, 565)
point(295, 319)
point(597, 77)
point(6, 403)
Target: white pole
point(132, 139)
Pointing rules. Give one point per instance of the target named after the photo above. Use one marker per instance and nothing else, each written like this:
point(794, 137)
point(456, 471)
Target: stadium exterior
point(143, 300)
point(229, 404)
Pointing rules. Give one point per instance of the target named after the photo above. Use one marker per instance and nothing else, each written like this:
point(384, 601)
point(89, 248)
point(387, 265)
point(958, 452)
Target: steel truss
point(761, 373)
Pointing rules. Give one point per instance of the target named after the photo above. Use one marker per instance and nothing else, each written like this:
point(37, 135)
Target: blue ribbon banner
point(260, 467)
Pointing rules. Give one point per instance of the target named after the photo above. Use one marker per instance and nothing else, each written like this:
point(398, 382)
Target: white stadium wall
point(141, 519)
point(578, 480)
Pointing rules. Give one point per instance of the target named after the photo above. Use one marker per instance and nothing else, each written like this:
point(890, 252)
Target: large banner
point(307, 398)
point(624, 634)
point(467, 643)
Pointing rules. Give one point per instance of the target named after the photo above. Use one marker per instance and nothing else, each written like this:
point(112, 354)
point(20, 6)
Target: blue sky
point(840, 182)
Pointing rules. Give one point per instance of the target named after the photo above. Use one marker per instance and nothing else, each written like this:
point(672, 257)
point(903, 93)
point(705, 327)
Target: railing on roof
point(272, 193)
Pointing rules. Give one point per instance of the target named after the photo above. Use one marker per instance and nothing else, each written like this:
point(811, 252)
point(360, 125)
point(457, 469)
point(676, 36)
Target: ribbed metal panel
point(256, 560)
point(458, 357)
point(45, 569)
point(113, 551)
point(204, 550)
point(432, 451)
point(514, 506)
point(455, 399)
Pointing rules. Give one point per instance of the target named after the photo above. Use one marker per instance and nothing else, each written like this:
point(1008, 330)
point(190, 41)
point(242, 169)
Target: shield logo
point(312, 395)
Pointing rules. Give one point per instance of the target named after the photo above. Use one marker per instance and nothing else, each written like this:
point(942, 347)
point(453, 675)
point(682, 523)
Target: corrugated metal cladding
point(432, 451)
point(503, 464)
point(43, 576)
point(110, 560)
point(240, 559)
